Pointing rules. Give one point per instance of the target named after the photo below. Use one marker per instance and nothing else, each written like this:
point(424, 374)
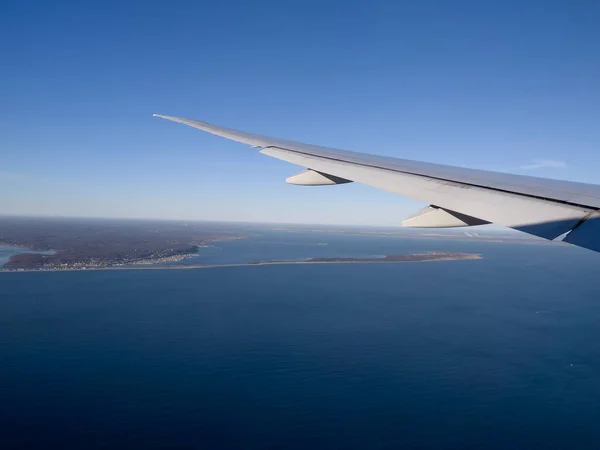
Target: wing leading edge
point(538, 206)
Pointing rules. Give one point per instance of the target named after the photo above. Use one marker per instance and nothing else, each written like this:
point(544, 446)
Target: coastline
point(468, 256)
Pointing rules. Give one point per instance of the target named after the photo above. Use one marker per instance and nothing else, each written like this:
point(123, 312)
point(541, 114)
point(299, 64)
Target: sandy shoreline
point(212, 266)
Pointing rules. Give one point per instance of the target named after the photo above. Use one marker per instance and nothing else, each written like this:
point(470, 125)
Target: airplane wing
point(457, 196)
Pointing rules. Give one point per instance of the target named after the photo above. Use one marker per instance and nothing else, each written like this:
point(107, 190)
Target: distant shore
point(389, 259)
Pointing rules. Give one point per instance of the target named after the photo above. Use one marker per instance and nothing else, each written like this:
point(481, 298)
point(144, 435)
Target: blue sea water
point(497, 353)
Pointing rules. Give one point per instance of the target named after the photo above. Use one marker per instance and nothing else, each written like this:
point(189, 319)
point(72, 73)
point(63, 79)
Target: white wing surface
point(457, 196)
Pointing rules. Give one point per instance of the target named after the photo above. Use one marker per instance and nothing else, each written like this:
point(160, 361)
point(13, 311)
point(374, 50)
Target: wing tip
point(172, 119)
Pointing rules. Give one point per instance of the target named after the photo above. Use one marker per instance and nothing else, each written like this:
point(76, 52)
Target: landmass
point(388, 259)
point(90, 244)
point(96, 243)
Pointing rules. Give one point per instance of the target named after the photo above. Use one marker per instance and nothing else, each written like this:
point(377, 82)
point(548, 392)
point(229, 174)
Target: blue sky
point(500, 85)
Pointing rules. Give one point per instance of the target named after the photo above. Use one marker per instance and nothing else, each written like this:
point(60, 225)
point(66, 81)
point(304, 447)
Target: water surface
point(496, 353)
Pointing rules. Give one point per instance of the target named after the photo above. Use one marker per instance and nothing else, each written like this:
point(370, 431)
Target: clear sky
point(498, 85)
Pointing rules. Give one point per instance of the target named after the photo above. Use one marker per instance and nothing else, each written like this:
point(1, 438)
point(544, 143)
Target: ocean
point(501, 352)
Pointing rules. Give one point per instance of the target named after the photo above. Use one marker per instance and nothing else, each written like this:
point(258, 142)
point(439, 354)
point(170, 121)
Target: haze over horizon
point(495, 229)
point(507, 87)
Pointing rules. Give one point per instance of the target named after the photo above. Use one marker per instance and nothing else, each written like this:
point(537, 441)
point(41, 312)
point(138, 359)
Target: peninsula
point(414, 257)
point(60, 244)
point(388, 259)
